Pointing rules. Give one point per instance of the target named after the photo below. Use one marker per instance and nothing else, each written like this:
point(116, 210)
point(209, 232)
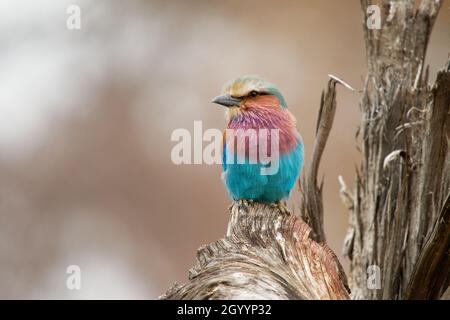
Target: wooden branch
point(267, 254)
point(311, 208)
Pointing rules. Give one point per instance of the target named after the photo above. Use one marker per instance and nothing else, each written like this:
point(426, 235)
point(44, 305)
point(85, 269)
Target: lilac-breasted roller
point(254, 104)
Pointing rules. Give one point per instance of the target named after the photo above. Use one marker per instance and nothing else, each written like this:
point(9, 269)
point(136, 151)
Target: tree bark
point(404, 176)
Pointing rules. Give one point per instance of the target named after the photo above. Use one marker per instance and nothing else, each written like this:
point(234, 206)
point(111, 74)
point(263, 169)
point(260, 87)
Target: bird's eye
point(254, 93)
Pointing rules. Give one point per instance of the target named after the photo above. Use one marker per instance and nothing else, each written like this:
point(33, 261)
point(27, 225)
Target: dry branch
point(311, 193)
point(311, 204)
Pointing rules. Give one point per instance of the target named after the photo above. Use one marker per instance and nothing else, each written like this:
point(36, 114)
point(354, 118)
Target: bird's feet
point(279, 205)
point(244, 202)
point(282, 207)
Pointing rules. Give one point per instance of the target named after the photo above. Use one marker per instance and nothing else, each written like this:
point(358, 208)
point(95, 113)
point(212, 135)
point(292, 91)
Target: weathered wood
point(431, 276)
point(404, 174)
point(311, 206)
point(267, 254)
point(311, 201)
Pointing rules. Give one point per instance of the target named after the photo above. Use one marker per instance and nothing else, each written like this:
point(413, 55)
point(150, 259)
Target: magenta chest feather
point(266, 124)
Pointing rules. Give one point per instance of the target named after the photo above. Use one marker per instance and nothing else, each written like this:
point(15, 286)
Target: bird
point(253, 104)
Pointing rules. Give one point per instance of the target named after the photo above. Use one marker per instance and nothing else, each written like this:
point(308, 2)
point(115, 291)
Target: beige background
point(86, 118)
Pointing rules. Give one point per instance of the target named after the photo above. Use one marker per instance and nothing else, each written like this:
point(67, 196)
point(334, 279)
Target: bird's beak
point(227, 100)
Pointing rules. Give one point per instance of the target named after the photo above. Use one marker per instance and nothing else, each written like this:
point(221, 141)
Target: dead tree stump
point(397, 208)
point(267, 254)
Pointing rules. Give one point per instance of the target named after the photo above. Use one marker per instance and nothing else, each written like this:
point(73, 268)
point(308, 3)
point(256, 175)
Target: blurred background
point(86, 117)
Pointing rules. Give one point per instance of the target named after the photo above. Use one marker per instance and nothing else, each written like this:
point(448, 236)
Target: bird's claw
point(244, 202)
point(282, 207)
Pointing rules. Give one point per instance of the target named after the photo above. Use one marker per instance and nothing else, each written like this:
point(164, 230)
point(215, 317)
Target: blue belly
point(245, 181)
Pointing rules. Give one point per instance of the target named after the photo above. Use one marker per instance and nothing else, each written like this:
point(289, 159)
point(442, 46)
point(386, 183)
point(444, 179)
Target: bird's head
point(249, 92)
